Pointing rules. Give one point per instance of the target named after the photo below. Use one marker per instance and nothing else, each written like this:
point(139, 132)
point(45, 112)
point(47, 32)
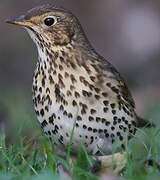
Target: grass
point(26, 154)
point(27, 160)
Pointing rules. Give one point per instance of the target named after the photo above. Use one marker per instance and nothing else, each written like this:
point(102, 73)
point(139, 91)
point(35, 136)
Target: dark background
point(126, 31)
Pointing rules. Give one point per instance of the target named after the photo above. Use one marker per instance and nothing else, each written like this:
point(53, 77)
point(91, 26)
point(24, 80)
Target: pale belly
point(101, 118)
point(93, 127)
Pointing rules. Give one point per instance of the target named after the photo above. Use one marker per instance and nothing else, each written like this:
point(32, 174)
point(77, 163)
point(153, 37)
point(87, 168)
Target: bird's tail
point(144, 123)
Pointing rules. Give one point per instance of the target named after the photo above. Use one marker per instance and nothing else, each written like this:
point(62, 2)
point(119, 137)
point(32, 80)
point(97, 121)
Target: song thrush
point(73, 82)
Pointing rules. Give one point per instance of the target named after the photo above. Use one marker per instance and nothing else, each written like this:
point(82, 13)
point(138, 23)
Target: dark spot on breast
point(73, 65)
point(106, 102)
point(121, 138)
point(126, 122)
point(89, 129)
point(54, 72)
point(42, 112)
point(61, 137)
point(66, 75)
point(57, 93)
point(85, 93)
point(106, 135)
point(105, 131)
point(49, 133)
point(113, 141)
point(51, 120)
point(93, 78)
point(65, 113)
point(77, 95)
point(97, 97)
point(131, 131)
point(46, 108)
point(70, 115)
point(114, 122)
point(103, 120)
point(61, 59)
point(40, 89)
point(107, 123)
point(47, 90)
point(129, 126)
point(60, 77)
point(134, 123)
point(123, 118)
point(69, 93)
point(37, 113)
point(86, 83)
point(104, 94)
point(81, 78)
point(94, 130)
point(38, 98)
point(112, 105)
point(63, 53)
point(83, 111)
point(108, 84)
point(105, 109)
point(95, 67)
point(44, 123)
point(112, 128)
point(79, 118)
point(118, 133)
point(84, 127)
point(118, 97)
point(74, 103)
point(93, 111)
point(91, 118)
point(86, 68)
point(60, 67)
point(61, 107)
point(91, 87)
point(73, 79)
point(97, 90)
point(51, 79)
point(100, 130)
point(114, 89)
point(54, 64)
point(43, 82)
point(98, 119)
point(61, 84)
point(72, 87)
point(92, 139)
point(113, 111)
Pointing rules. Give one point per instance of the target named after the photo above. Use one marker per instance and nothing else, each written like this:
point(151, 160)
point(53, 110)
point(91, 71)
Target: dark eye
point(49, 21)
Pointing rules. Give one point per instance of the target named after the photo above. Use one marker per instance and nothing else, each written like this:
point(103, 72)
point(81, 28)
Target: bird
point(75, 87)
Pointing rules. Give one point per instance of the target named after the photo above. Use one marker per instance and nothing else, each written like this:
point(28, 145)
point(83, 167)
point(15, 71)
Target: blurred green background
point(127, 32)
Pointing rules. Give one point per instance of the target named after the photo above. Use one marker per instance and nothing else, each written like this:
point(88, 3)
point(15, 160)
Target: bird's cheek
point(61, 39)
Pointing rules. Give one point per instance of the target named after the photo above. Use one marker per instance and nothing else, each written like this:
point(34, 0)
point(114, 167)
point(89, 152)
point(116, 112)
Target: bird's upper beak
point(20, 20)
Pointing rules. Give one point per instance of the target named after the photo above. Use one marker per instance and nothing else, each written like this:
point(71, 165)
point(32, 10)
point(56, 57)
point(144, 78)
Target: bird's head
point(47, 23)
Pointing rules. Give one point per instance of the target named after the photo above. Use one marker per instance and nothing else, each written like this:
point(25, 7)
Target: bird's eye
point(49, 21)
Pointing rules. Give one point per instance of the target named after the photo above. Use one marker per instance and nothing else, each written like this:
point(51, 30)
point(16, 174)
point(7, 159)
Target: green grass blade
point(87, 156)
point(70, 140)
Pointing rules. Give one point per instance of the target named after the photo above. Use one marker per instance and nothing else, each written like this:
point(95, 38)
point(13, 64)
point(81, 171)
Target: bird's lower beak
point(20, 20)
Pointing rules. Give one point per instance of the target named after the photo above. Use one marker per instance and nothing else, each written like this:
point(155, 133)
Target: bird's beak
point(20, 20)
